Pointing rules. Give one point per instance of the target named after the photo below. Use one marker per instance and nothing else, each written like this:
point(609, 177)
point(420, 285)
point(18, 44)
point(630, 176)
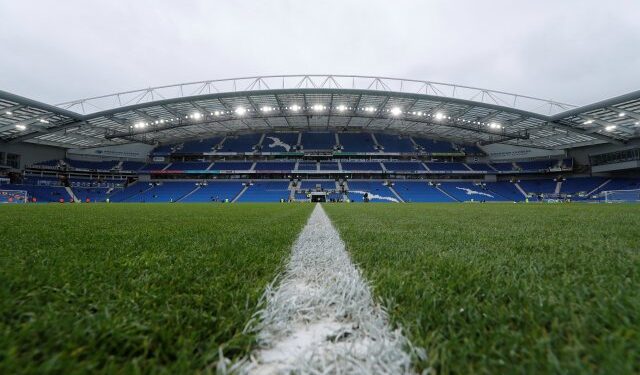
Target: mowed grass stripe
point(127, 288)
point(504, 288)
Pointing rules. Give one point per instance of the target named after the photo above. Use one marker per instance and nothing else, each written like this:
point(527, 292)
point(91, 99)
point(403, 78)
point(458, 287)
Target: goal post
point(13, 196)
point(621, 196)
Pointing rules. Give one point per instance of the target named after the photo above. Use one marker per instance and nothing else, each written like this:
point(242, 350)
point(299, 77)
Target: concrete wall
point(581, 154)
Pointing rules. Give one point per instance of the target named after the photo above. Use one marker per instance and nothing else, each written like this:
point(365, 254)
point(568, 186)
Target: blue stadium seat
point(240, 144)
point(538, 186)
point(189, 165)
point(318, 141)
point(324, 184)
point(377, 191)
point(394, 143)
point(434, 146)
point(356, 142)
point(231, 166)
point(200, 146)
point(447, 167)
point(275, 166)
point(329, 166)
point(266, 191)
point(361, 166)
point(280, 142)
point(468, 191)
point(404, 166)
point(215, 191)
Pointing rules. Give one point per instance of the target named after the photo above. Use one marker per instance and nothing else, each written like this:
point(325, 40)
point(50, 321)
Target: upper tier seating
point(377, 191)
point(503, 167)
point(434, 146)
point(623, 183)
point(472, 150)
point(419, 191)
point(468, 191)
point(536, 165)
point(131, 165)
point(48, 163)
point(199, 146)
point(318, 141)
point(275, 166)
point(215, 191)
point(356, 142)
point(153, 167)
point(91, 165)
point(361, 166)
point(242, 143)
point(266, 191)
point(163, 150)
point(189, 165)
point(231, 166)
point(280, 142)
point(394, 143)
point(404, 166)
point(447, 167)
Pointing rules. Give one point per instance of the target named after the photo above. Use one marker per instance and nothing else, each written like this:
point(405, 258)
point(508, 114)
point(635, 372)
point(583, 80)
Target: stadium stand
point(275, 166)
point(280, 142)
point(433, 146)
point(131, 166)
point(447, 167)
point(198, 146)
point(318, 141)
point(329, 166)
point(469, 191)
point(215, 191)
point(356, 142)
point(312, 184)
point(189, 166)
point(91, 165)
point(394, 143)
point(405, 166)
point(507, 190)
point(231, 165)
point(307, 166)
point(376, 190)
point(240, 144)
point(584, 185)
point(419, 191)
point(538, 186)
point(266, 191)
point(165, 192)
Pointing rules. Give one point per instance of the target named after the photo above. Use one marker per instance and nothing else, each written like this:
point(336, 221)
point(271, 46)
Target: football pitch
point(483, 288)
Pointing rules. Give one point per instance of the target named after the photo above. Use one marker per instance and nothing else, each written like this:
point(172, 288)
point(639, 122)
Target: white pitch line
point(322, 318)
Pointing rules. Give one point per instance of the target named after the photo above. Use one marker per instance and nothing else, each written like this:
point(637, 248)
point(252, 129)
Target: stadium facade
point(324, 137)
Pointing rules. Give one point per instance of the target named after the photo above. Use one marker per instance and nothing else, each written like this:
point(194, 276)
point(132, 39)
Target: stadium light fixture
point(637, 123)
point(217, 113)
point(21, 127)
point(44, 121)
point(295, 108)
point(610, 128)
point(318, 107)
point(240, 111)
point(369, 109)
point(495, 125)
point(266, 109)
point(439, 116)
point(197, 115)
point(588, 122)
point(9, 113)
point(342, 108)
point(396, 111)
point(621, 114)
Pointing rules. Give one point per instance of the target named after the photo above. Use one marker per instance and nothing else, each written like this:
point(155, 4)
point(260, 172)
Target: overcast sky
point(575, 51)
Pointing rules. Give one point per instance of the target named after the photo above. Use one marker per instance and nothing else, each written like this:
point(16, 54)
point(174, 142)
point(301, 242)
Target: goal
point(615, 196)
point(13, 196)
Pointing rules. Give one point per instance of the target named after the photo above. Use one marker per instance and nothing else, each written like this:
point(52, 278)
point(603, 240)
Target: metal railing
point(316, 81)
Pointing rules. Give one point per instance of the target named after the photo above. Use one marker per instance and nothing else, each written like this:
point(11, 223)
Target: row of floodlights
point(395, 111)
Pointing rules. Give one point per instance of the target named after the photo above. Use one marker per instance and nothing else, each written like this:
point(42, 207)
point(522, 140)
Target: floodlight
point(621, 114)
point(342, 108)
point(369, 109)
point(197, 115)
point(266, 109)
point(9, 113)
point(240, 111)
point(217, 113)
point(21, 127)
point(588, 122)
point(610, 128)
point(396, 111)
point(44, 121)
point(295, 108)
point(495, 125)
point(317, 107)
point(439, 116)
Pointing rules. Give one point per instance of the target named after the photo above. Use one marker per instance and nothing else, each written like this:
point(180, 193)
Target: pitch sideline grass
point(135, 288)
point(504, 288)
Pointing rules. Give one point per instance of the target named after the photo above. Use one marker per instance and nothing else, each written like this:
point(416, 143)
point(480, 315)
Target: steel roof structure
point(170, 114)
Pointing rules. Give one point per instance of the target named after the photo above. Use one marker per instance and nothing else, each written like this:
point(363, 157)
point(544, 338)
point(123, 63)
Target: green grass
point(504, 288)
point(135, 288)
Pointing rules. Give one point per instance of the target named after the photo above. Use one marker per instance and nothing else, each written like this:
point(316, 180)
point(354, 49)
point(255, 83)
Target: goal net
point(13, 196)
point(613, 196)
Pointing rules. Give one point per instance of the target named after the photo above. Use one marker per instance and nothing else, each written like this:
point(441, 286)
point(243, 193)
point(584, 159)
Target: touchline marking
point(321, 318)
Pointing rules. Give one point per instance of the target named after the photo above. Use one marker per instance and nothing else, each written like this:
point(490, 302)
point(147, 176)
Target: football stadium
point(319, 224)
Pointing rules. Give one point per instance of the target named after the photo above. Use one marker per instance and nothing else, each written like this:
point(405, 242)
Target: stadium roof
point(186, 111)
